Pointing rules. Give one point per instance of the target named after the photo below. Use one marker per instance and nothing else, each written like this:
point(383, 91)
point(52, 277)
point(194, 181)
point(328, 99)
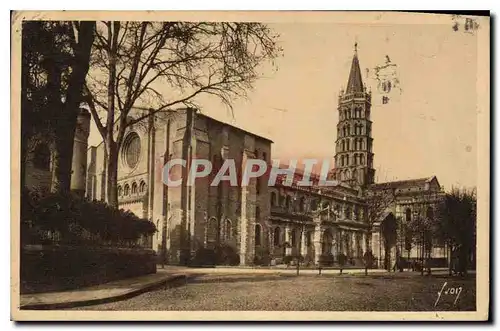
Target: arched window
point(227, 230)
point(362, 159)
point(273, 199)
point(257, 213)
point(342, 160)
point(282, 200)
point(41, 157)
point(120, 191)
point(348, 145)
point(361, 144)
point(211, 231)
point(126, 190)
point(302, 202)
point(361, 129)
point(354, 174)
point(347, 159)
point(277, 236)
point(142, 187)
point(348, 129)
point(347, 174)
point(408, 215)
point(327, 242)
point(343, 145)
point(356, 212)
point(348, 212)
point(134, 188)
point(288, 202)
point(257, 234)
point(344, 129)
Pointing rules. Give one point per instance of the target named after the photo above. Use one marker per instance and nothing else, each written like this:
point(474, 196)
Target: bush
point(342, 259)
point(368, 259)
point(227, 255)
point(78, 220)
point(326, 260)
point(262, 256)
point(289, 259)
point(204, 257)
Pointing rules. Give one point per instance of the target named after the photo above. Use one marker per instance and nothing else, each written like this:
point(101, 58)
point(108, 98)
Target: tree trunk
point(112, 174)
point(65, 123)
point(64, 138)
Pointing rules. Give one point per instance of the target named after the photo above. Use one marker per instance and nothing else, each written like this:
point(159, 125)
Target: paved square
point(394, 292)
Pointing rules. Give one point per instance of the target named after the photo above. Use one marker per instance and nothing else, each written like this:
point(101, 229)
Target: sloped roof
point(355, 82)
point(405, 183)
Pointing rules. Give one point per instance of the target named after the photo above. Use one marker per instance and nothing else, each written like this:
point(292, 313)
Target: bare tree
point(379, 199)
point(161, 65)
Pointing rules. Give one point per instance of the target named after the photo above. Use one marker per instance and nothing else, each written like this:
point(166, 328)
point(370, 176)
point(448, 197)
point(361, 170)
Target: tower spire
point(355, 82)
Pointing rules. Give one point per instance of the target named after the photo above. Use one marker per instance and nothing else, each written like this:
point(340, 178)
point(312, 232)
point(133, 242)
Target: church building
point(315, 222)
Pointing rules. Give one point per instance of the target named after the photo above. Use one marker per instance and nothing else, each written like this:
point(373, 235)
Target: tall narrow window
point(227, 230)
point(273, 199)
point(142, 187)
point(277, 236)
point(257, 235)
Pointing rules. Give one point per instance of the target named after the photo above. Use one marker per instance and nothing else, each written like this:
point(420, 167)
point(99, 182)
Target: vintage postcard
point(250, 166)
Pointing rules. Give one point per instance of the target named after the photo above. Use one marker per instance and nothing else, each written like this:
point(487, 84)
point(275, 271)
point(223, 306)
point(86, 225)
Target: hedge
point(78, 220)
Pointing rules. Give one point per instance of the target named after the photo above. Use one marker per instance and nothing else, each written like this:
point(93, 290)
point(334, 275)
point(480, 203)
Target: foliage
point(326, 260)
point(457, 222)
point(227, 255)
point(55, 61)
point(142, 68)
point(368, 258)
point(341, 259)
point(79, 220)
point(204, 257)
point(262, 256)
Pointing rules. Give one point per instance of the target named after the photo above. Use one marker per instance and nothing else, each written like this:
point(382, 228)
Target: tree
point(423, 226)
point(456, 224)
point(54, 66)
point(378, 200)
point(131, 61)
point(388, 229)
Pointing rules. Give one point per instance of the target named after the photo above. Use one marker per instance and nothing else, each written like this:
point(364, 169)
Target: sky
point(429, 128)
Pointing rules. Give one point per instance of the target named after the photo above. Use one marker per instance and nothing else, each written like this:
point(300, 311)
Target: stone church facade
point(284, 220)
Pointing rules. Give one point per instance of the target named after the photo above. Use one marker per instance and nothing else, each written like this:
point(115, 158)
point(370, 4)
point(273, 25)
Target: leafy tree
point(55, 62)
point(457, 224)
point(132, 60)
point(389, 228)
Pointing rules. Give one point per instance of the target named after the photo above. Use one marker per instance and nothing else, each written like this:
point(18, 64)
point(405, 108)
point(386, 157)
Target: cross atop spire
point(355, 82)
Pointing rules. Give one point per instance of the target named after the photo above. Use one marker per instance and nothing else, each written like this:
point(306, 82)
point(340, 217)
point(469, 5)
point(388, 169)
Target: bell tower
point(353, 148)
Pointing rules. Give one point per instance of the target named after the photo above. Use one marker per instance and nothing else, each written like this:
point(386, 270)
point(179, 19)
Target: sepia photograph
point(250, 165)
